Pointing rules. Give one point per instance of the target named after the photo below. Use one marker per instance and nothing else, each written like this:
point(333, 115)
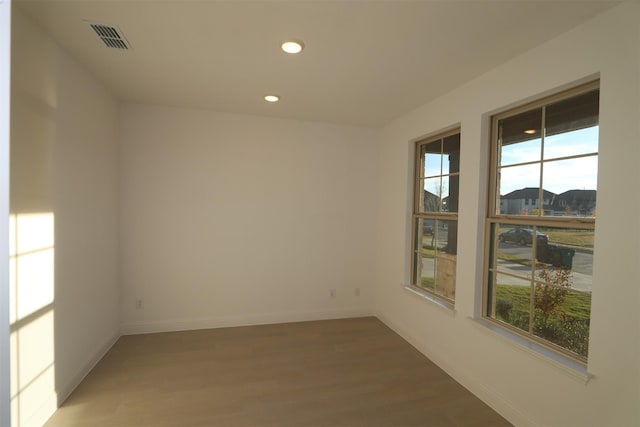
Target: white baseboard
point(495, 400)
point(65, 391)
point(57, 397)
point(133, 328)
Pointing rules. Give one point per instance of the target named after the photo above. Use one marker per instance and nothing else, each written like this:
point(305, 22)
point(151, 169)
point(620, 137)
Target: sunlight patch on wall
point(33, 394)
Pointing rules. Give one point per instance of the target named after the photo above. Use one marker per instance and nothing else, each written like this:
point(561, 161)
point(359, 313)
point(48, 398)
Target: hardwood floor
point(351, 372)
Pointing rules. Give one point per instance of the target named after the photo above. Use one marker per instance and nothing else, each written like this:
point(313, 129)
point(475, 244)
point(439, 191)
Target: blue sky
point(560, 175)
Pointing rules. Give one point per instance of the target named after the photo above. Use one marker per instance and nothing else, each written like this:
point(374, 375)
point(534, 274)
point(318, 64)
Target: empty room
point(319, 213)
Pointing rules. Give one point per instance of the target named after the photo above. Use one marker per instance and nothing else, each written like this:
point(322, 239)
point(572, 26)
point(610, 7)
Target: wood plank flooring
point(350, 372)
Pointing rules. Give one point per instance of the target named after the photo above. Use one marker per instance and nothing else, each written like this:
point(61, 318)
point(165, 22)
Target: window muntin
point(435, 225)
point(546, 152)
point(541, 224)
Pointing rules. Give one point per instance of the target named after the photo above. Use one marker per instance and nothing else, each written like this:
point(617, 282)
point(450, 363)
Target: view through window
point(435, 215)
point(542, 219)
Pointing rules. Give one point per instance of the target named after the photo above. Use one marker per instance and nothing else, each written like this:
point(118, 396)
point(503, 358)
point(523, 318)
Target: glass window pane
point(517, 185)
point(574, 183)
point(540, 277)
point(583, 141)
point(431, 153)
point(427, 270)
point(445, 193)
point(563, 288)
point(428, 229)
point(562, 315)
point(522, 152)
point(451, 188)
point(446, 236)
point(570, 249)
point(568, 115)
point(520, 139)
point(424, 255)
point(435, 241)
point(451, 157)
point(513, 301)
point(515, 250)
point(430, 195)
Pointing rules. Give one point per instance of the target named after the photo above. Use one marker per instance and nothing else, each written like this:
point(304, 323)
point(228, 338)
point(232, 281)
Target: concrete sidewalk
point(581, 282)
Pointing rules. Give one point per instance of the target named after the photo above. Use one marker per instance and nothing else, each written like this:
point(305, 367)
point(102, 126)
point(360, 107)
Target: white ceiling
point(365, 62)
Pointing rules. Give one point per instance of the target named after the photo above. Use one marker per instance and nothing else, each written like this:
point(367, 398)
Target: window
point(540, 263)
point(435, 215)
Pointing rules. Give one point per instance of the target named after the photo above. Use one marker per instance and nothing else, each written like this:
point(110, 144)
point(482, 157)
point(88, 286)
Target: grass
point(428, 282)
point(428, 251)
point(582, 238)
point(514, 259)
point(566, 326)
point(519, 296)
point(576, 304)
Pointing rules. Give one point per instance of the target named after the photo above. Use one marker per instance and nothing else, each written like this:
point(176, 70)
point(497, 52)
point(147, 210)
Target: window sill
point(567, 365)
point(439, 302)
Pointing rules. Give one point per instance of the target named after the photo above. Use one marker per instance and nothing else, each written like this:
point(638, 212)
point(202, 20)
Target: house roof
point(429, 194)
point(578, 195)
point(527, 193)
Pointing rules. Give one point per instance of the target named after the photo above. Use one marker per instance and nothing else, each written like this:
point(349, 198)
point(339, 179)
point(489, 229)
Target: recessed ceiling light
point(271, 98)
point(530, 131)
point(292, 46)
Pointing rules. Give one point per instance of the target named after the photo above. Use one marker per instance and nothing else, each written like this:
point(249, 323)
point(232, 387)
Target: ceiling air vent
point(110, 35)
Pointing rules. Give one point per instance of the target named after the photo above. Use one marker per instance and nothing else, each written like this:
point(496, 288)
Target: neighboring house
point(572, 202)
point(431, 201)
point(525, 200)
point(576, 203)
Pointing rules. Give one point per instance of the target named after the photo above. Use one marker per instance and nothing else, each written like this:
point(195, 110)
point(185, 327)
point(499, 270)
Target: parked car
point(522, 236)
point(427, 230)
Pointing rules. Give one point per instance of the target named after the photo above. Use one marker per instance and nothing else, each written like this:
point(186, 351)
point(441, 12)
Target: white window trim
point(441, 301)
point(575, 365)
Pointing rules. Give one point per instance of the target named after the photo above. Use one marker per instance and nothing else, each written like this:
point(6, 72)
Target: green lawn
point(567, 325)
point(428, 283)
point(582, 238)
point(576, 304)
point(511, 258)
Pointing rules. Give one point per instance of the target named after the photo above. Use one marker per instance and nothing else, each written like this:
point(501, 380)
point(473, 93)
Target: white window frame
point(418, 167)
point(494, 217)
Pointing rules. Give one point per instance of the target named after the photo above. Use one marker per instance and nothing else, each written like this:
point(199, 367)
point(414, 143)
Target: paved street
point(582, 261)
point(581, 271)
point(582, 266)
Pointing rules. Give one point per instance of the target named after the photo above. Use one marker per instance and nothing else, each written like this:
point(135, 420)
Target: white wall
point(5, 62)
point(64, 154)
point(232, 220)
point(526, 388)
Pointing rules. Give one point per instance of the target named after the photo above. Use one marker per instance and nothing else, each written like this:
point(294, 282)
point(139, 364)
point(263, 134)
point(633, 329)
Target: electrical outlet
point(357, 292)
point(139, 304)
point(332, 293)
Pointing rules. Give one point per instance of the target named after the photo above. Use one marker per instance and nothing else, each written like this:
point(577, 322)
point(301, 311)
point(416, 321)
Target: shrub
point(548, 298)
point(503, 308)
